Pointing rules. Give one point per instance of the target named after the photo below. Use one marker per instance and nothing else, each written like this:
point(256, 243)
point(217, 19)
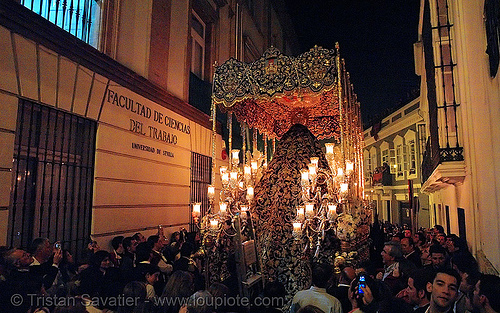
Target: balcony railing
point(382, 176)
point(433, 156)
point(443, 144)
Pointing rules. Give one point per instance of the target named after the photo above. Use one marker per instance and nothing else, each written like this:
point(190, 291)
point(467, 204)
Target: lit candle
point(250, 193)
point(349, 167)
point(329, 148)
point(225, 178)
point(315, 160)
point(235, 154)
point(211, 192)
point(297, 227)
point(309, 210)
point(304, 174)
point(233, 176)
point(300, 212)
point(196, 209)
point(247, 171)
point(214, 224)
point(332, 210)
point(254, 165)
point(340, 172)
point(312, 170)
point(244, 208)
point(343, 187)
point(223, 207)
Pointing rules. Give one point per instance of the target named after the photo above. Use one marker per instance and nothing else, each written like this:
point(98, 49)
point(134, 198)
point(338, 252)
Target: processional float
point(303, 193)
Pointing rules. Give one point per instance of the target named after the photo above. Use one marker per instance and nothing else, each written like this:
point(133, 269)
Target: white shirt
point(390, 269)
point(318, 297)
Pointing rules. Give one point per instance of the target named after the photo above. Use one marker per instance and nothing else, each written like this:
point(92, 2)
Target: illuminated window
point(399, 160)
point(384, 148)
point(392, 159)
point(80, 18)
point(368, 163)
point(400, 152)
point(374, 157)
point(412, 158)
point(445, 75)
point(422, 138)
point(410, 154)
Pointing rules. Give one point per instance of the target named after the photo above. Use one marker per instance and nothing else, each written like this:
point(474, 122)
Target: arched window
point(368, 163)
point(411, 154)
point(374, 157)
point(384, 152)
point(400, 152)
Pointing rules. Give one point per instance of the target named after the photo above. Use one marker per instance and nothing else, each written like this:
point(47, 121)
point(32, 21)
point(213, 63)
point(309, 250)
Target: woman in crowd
point(180, 286)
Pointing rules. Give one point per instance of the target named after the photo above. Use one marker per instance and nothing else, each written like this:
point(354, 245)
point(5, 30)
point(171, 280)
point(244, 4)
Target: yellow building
point(104, 120)
point(392, 159)
point(457, 59)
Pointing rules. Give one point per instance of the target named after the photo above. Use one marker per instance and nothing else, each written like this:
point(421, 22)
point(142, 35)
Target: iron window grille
point(445, 74)
point(80, 18)
point(201, 173)
point(443, 144)
point(53, 175)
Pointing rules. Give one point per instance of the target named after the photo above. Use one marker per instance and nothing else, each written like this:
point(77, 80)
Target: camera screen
point(361, 284)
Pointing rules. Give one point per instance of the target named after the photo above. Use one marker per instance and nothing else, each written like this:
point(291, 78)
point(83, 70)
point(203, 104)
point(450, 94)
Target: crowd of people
point(424, 272)
point(137, 270)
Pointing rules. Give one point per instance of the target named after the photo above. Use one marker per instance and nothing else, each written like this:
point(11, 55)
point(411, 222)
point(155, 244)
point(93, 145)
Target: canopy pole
point(214, 129)
point(230, 139)
point(339, 76)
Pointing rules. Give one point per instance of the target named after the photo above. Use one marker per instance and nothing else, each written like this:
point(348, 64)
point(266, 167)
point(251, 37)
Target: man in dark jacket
point(46, 261)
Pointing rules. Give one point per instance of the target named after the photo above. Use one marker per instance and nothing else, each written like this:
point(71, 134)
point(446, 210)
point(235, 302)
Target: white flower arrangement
point(346, 227)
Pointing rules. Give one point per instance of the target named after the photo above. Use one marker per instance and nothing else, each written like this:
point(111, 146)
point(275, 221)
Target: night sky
point(376, 40)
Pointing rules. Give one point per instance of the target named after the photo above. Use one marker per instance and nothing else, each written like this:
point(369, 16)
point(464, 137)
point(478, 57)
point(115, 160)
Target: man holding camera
point(46, 260)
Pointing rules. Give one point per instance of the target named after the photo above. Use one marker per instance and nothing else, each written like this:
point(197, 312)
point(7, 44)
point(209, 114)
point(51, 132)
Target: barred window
point(80, 18)
point(201, 171)
point(52, 178)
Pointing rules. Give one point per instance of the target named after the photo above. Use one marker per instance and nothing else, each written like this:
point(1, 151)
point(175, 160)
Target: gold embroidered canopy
point(272, 95)
point(277, 91)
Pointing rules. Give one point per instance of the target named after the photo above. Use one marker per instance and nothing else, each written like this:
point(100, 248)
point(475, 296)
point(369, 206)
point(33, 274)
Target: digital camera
point(361, 283)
